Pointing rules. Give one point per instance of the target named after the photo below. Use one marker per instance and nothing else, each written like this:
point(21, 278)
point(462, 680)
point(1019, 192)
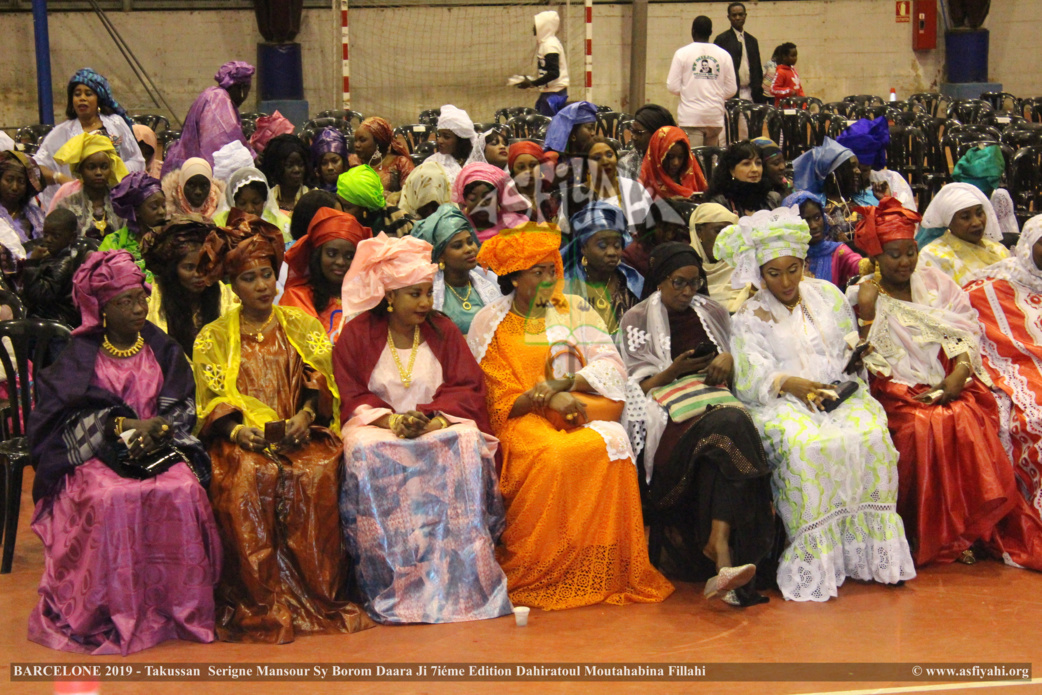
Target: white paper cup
point(521, 615)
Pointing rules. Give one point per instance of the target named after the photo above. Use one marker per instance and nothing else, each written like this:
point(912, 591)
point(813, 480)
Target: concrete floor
point(983, 613)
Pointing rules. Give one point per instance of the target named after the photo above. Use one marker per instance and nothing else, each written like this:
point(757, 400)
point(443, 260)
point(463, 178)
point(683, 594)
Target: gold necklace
point(129, 352)
point(405, 374)
point(259, 335)
point(464, 301)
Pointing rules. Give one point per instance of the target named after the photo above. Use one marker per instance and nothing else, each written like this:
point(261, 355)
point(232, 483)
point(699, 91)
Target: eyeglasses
point(679, 284)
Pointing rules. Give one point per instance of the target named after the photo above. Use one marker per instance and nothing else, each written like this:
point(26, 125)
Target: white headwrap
point(759, 238)
point(1031, 233)
point(6, 143)
point(955, 197)
point(457, 121)
point(230, 159)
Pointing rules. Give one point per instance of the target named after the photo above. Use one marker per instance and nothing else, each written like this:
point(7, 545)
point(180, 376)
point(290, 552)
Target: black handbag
point(844, 391)
point(148, 465)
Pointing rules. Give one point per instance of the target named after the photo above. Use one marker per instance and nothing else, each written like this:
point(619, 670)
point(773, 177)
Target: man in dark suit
point(745, 52)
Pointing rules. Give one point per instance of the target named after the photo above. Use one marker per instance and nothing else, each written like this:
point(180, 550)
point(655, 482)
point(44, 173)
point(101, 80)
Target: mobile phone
point(274, 431)
point(705, 348)
point(855, 357)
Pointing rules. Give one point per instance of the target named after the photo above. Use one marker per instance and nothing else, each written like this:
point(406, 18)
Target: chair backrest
point(1026, 182)
point(33, 341)
point(929, 101)
point(970, 111)
point(248, 121)
point(863, 99)
point(869, 111)
point(342, 114)
point(1002, 102)
point(413, 134)
point(840, 108)
point(799, 132)
point(1017, 138)
point(11, 299)
point(429, 117)
point(812, 104)
point(608, 123)
point(707, 158)
point(153, 120)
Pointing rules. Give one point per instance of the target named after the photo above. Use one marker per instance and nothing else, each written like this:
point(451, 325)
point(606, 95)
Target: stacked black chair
point(423, 150)
point(928, 100)
point(248, 121)
point(812, 104)
point(864, 100)
point(732, 111)
point(798, 133)
point(609, 122)
point(31, 136)
point(506, 113)
point(9, 298)
point(906, 154)
point(1026, 183)
point(168, 138)
point(152, 120)
point(308, 130)
point(429, 117)
point(707, 158)
point(1002, 102)
point(343, 115)
point(415, 134)
point(532, 125)
point(970, 111)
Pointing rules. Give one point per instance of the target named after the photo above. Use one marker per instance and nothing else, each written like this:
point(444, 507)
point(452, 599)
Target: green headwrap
point(759, 238)
point(361, 186)
point(440, 228)
point(981, 167)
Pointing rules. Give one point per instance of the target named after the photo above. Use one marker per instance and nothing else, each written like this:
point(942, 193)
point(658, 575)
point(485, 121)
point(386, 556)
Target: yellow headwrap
point(73, 152)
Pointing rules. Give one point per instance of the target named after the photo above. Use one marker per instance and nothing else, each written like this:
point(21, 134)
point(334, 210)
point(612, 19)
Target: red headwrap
point(327, 224)
point(527, 147)
point(887, 222)
point(654, 177)
point(384, 135)
point(229, 250)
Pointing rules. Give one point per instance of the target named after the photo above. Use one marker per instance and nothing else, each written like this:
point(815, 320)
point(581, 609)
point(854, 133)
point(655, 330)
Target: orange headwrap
point(654, 177)
point(521, 248)
point(384, 135)
point(887, 222)
point(528, 147)
point(246, 238)
point(327, 224)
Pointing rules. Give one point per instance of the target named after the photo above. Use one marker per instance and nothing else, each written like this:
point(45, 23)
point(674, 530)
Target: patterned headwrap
point(530, 148)
point(166, 246)
point(812, 167)
point(246, 238)
point(954, 197)
point(327, 225)
point(102, 277)
point(653, 174)
point(268, 128)
point(868, 140)
point(441, 227)
point(598, 216)
point(325, 141)
point(981, 167)
point(385, 263)
point(361, 186)
point(78, 148)
point(100, 86)
point(128, 195)
point(759, 238)
point(768, 147)
point(560, 128)
point(427, 183)
point(12, 160)
point(383, 134)
point(521, 248)
point(234, 72)
point(890, 221)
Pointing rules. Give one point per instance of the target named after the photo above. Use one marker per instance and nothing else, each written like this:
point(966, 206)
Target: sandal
point(729, 578)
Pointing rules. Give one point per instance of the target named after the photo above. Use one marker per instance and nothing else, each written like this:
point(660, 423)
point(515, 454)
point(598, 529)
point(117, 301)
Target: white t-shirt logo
point(706, 68)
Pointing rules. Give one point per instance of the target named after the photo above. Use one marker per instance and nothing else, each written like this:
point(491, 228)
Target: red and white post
point(345, 60)
point(589, 49)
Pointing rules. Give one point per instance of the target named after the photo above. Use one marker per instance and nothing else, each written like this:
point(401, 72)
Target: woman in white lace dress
point(834, 473)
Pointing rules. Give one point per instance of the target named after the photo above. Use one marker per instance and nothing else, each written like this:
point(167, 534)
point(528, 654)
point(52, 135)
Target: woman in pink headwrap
point(269, 417)
point(130, 560)
point(375, 145)
point(490, 200)
point(148, 143)
point(412, 399)
point(192, 189)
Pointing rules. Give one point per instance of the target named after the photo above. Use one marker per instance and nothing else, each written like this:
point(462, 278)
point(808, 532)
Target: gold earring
point(441, 265)
point(104, 321)
point(585, 262)
point(390, 309)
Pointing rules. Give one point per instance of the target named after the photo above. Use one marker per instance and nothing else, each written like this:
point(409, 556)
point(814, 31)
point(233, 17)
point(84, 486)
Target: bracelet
point(310, 411)
point(863, 323)
point(393, 420)
point(963, 364)
point(235, 433)
point(119, 425)
point(445, 424)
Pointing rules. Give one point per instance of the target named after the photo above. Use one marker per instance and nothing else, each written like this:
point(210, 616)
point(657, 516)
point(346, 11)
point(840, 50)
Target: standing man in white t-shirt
point(702, 74)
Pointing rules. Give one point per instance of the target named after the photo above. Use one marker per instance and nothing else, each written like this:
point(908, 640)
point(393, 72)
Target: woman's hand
point(436, 423)
point(411, 424)
point(805, 391)
point(542, 392)
point(720, 370)
point(880, 189)
point(148, 435)
point(570, 408)
point(950, 387)
point(687, 363)
point(298, 431)
point(250, 439)
point(524, 84)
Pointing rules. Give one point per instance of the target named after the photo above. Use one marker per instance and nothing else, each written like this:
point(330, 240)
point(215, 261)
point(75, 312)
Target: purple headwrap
point(328, 140)
point(868, 140)
point(103, 276)
point(234, 72)
point(135, 188)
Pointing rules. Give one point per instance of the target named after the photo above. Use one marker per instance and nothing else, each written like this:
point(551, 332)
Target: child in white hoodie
point(552, 80)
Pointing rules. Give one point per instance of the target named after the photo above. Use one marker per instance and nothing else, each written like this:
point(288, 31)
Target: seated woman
point(710, 490)
point(490, 147)
point(285, 162)
point(487, 196)
point(826, 259)
point(247, 190)
point(834, 471)
point(532, 170)
point(139, 200)
point(602, 182)
point(668, 169)
point(972, 241)
point(182, 302)
point(264, 381)
point(362, 195)
point(648, 119)
point(868, 140)
point(128, 563)
point(738, 181)
point(1008, 297)
point(574, 533)
point(983, 167)
point(49, 269)
point(957, 487)
point(831, 170)
point(148, 143)
point(426, 189)
point(774, 166)
point(461, 289)
point(19, 183)
point(192, 190)
point(420, 506)
point(328, 157)
point(569, 133)
point(93, 160)
point(667, 220)
point(708, 220)
point(593, 266)
point(318, 264)
point(376, 146)
point(455, 138)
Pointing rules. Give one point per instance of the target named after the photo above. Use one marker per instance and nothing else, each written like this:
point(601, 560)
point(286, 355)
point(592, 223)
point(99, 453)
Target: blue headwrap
point(867, 139)
point(811, 167)
point(598, 216)
point(441, 227)
point(567, 118)
point(100, 86)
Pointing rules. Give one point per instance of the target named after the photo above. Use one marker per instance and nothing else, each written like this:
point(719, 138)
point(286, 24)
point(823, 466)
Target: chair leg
point(13, 494)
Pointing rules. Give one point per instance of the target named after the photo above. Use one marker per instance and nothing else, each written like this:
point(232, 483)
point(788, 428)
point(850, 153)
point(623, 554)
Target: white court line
point(930, 688)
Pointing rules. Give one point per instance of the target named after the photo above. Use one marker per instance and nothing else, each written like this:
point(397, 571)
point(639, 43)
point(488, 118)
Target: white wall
point(407, 59)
